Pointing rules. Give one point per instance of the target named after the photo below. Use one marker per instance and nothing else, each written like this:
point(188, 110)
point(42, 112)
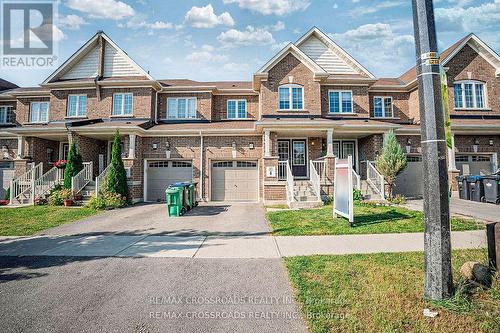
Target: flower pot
point(4, 202)
point(68, 202)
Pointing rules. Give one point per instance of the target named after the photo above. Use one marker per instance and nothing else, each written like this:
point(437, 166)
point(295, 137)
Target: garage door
point(6, 175)
point(409, 181)
point(474, 164)
point(235, 181)
point(160, 174)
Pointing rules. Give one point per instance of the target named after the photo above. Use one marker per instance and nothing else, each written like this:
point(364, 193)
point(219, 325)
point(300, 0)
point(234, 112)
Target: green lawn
point(383, 293)
point(25, 221)
point(368, 219)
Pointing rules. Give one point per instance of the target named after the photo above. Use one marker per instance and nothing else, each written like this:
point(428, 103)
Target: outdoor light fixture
point(475, 146)
point(408, 145)
point(251, 145)
point(491, 142)
point(155, 146)
point(5, 152)
point(234, 149)
point(167, 151)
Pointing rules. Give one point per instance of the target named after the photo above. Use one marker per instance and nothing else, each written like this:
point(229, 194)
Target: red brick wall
point(90, 149)
point(23, 108)
point(37, 150)
point(203, 104)
point(275, 192)
point(368, 148)
point(413, 107)
point(360, 102)
point(464, 143)
point(400, 105)
point(219, 106)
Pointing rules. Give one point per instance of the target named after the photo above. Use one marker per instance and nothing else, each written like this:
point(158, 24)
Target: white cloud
point(373, 8)
point(481, 17)
point(250, 36)
point(204, 17)
point(280, 46)
point(105, 9)
point(72, 22)
point(270, 7)
point(280, 25)
point(206, 54)
point(139, 21)
point(369, 31)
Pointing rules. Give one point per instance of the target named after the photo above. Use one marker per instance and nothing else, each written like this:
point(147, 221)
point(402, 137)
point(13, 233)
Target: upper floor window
point(236, 109)
point(340, 101)
point(382, 107)
point(6, 115)
point(122, 104)
point(39, 112)
point(469, 95)
point(77, 105)
point(291, 97)
point(181, 108)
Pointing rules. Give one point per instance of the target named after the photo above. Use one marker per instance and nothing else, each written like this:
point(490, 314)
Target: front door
point(343, 148)
point(294, 151)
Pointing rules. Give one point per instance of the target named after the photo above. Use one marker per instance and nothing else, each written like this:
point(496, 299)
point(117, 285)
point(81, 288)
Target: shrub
point(392, 160)
point(66, 194)
point(328, 200)
point(398, 199)
point(55, 198)
point(97, 203)
point(74, 165)
point(356, 195)
point(106, 200)
point(117, 177)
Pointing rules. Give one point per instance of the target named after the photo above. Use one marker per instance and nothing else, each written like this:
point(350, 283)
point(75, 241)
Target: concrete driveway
point(224, 219)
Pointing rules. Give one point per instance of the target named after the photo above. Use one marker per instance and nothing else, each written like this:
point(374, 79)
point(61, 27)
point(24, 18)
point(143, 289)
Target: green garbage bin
point(174, 201)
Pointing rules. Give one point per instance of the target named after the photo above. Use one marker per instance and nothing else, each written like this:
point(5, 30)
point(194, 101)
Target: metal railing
point(356, 180)
point(48, 181)
point(315, 179)
point(81, 179)
point(22, 188)
point(289, 184)
point(375, 179)
point(282, 170)
point(100, 180)
point(319, 166)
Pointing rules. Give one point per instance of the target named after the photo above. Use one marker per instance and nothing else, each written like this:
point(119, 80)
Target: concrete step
point(305, 204)
point(306, 198)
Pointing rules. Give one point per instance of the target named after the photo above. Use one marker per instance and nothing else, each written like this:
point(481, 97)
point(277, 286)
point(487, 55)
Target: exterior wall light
point(5, 152)
point(167, 151)
point(491, 142)
point(233, 145)
point(408, 145)
point(251, 145)
point(475, 146)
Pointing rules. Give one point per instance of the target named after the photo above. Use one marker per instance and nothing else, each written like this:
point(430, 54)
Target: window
point(159, 164)
point(181, 164)
point(122, 104)
point(181, 108)
point(291, 97)
point(77, 105)
point(223, 164)
point(6, 115)
point(245, 164)
point(340, 101)
point(469, 95)
point(414, 158)
point(39, 112)
point(236, 109)
point(382, 107)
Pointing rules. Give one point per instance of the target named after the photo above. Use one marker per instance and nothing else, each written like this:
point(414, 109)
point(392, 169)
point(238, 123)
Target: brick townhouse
point(272, 139)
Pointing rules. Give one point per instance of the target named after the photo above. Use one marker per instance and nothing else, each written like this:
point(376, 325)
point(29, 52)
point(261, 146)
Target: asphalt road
point(62, 294)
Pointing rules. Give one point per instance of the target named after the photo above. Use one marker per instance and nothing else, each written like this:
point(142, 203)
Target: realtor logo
point(28, 33)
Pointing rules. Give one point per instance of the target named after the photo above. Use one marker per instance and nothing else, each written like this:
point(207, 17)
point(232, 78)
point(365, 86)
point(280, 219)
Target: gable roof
point(329, 55)
point(4, 85)
point(84, 63)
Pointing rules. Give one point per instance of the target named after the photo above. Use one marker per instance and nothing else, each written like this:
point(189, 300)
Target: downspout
point(156, 107)
point(201, 167)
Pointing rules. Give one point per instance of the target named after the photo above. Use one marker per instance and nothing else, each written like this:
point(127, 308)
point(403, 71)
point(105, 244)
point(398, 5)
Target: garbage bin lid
point(172, 190)
point(181, 184)
point(474, 178)
point(494, 177)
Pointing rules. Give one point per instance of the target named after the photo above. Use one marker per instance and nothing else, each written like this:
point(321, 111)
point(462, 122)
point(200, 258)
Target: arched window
point(291, 97)
point(469, 95)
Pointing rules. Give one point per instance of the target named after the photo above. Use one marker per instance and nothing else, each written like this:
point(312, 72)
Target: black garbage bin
point(476, 188)
point(491, 186)
point(463, 192)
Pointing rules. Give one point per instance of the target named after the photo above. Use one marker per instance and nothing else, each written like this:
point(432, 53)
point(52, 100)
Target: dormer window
point(469, 95)
point(291, 97)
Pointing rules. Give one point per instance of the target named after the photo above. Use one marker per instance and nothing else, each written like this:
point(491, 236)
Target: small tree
point(117, 177)
point(74, 165)
point(392, 160)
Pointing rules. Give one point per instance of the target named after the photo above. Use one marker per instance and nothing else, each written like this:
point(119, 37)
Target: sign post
point(343, 203)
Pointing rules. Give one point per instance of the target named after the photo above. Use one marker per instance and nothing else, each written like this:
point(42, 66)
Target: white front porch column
point(131, 146)
point(329, 142)
point(451, 155)
point(20, 146)
point(267, 144)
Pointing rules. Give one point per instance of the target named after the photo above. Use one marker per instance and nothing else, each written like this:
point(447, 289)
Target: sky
point(213, 40)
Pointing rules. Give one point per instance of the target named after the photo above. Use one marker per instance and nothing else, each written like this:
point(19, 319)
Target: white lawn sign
point(343, 203)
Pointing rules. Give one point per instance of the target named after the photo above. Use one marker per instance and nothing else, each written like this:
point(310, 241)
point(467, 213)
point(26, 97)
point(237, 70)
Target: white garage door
point(409, 181)
point(235, 181)
point(160, 174)
point(6, 175)
point(474, 164)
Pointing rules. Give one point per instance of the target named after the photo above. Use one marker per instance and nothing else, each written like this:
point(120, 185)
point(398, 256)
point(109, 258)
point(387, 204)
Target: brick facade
point(23, 108)
point(219, 106)
point(360, 100)
point(90, 149)
point(42, 150)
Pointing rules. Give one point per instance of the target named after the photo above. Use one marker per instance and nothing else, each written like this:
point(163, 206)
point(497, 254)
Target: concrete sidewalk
point(236, 247)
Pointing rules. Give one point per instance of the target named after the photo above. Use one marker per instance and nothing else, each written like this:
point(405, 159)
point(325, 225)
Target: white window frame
point(77, 113)
point(167, 115)
point(6, 110)
point(38, 117)
point(340, 101)
point(238, 101)
point(474, 97)
point(122, 111)
point(384, 111)
point(290, 97)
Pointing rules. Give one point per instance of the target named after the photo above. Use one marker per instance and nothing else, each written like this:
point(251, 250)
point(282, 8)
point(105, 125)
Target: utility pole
point(437, 243)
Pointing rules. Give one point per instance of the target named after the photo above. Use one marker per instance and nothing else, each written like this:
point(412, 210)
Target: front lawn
point(384, 293)
point(25, 221)
point(368, 219)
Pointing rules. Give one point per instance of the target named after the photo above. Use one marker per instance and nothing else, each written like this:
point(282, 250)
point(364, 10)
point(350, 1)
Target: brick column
point(269, 164)
point(20, 167)
point(328, 184)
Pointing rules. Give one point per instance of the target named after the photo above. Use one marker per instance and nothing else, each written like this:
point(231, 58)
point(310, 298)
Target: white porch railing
point(356, 180)
point(99, 181)
point(289, 184)
point(81, 179)
point(48, 181)
point(315, 179)
point(22, 188)
point(319, 166)
point(282, 170)
point(375, 179)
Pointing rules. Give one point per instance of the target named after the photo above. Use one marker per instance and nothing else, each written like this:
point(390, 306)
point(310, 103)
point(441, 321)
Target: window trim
point(77, 115)
point(340, 101)
point(122, 114)
point(384, 113)
point(167, 117)
point(289, 86)
point(474, 99)
point(31, 112)
point(236, 111)
point(8, 109)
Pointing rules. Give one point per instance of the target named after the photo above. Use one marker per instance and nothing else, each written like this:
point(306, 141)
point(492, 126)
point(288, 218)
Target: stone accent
point(360, 100)
point(219, 106)
point(271, 162)
point(203, 104)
